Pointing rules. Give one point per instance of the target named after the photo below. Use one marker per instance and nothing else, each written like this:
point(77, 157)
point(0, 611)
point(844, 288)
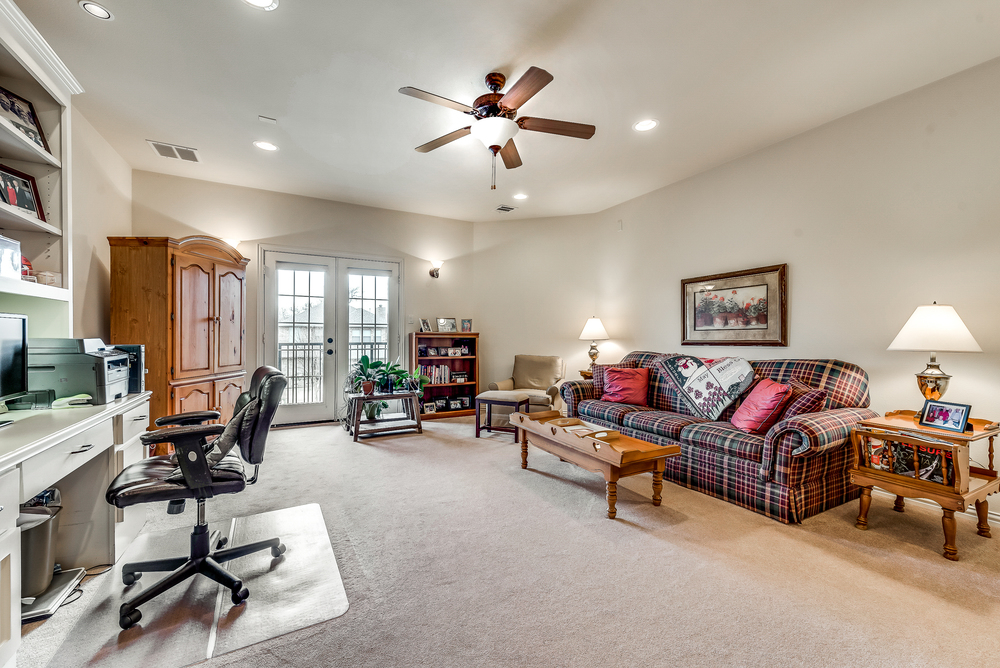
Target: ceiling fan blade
point(444, 139)
point(509, 154)
point(436, 99)
point(534, 80)
point(578, 130)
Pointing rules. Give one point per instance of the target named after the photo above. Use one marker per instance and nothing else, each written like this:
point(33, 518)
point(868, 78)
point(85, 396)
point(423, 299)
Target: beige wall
point(876, 213)
point(102, 207)
point(172, 206)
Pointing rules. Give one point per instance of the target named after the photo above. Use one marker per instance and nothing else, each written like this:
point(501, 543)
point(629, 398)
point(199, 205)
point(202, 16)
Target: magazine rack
point(904, 458)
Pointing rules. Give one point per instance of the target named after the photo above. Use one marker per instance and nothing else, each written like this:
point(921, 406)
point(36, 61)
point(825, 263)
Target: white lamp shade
point(496, 131)
point(935, 328)
point(594, 331)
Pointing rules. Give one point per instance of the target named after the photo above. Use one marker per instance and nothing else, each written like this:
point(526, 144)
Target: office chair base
point(202, 561)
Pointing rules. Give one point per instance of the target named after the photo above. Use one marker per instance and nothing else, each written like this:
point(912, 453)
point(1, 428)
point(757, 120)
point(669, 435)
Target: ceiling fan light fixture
point(495, 131)
point(645, 125)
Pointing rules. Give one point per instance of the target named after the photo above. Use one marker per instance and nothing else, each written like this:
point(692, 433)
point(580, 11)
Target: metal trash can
point(39, 525)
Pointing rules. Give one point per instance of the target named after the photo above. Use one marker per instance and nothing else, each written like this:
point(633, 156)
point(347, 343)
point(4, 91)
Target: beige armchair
point(538, 376)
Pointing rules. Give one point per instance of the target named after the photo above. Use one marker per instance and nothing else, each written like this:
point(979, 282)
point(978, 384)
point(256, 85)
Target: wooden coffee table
point(595, 449)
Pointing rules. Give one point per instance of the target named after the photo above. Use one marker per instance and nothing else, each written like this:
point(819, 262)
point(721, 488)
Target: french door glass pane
point(368, 320)
point(300, 333)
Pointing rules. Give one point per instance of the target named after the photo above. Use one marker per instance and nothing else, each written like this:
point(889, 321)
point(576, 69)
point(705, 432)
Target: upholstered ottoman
point(516, 400)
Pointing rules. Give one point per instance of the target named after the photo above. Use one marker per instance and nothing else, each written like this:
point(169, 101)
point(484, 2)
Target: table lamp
point(594, 331)
point(935, 328)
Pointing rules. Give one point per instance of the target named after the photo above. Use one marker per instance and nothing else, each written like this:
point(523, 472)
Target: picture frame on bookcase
point(425, 325)
point(21, 114)
point(447, 325)
point(20, 190)
point(466, 324)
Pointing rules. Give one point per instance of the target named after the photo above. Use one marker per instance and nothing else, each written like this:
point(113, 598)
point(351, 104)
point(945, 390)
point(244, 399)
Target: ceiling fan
point(495, 113)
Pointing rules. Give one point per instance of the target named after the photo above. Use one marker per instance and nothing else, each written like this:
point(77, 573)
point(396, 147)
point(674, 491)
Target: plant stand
point(409, 419)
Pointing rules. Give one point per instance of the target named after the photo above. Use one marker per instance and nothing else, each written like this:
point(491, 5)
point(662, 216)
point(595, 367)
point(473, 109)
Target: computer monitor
point(13, 355)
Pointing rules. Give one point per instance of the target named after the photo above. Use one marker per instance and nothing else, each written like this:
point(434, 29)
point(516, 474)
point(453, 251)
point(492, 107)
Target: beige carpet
point(452, 555)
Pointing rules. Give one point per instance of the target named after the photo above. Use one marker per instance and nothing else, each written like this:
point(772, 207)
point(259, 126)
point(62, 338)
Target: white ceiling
point(724, 78)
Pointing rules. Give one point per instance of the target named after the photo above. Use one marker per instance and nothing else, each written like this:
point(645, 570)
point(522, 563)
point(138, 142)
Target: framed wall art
point(19, 189)
point(739, 308)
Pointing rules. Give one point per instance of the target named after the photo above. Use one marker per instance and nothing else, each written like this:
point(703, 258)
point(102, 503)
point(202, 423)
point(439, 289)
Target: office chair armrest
point(188, 443)
point(185, 419)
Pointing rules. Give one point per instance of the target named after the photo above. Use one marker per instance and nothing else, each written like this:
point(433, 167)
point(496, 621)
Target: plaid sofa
point(796, 470)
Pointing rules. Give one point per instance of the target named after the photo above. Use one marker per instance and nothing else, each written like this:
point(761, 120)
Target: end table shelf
point(945, 478)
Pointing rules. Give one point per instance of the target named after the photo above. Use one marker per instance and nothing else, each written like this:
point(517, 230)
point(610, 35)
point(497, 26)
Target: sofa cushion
point(607, 411)
point(598, 371)
point(537, 372)
point(626, 386)
point(707, 385)
point(660, 423)
point(846, 384)
point(804, 399)
point(763, 407)
point(725, 438)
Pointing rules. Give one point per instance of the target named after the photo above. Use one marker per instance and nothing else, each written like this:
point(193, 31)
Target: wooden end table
point(410, 416)
point(595, 449)
point(961, 485)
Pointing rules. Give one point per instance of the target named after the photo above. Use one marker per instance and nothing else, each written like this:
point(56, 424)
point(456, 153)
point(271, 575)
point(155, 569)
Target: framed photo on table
point(19, 190)
point(739, 308)
point(943, 415)
point(21, 115)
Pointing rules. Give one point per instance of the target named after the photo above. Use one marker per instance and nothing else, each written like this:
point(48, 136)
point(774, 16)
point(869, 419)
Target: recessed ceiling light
point(520, 196)
point(265, 146)
point(643, 126)
point(96, 10)
point(266, 5)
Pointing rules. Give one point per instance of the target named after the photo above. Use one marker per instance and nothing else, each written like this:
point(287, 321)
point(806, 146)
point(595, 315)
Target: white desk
point(79, 451)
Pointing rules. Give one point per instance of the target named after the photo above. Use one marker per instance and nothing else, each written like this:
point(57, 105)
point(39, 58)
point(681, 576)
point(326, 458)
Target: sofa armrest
point(809, 435)
point(503, 385)
point(575, 391)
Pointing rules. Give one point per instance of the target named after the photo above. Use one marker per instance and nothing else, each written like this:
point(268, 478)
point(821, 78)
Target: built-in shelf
point(14, 286)
point(13, 218)
point(15, 145)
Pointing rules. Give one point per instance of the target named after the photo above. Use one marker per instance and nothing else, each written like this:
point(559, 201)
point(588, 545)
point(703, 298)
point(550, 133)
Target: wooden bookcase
point(464, 363)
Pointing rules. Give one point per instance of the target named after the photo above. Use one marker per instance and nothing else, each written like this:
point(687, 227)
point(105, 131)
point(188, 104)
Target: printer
point(78, 366)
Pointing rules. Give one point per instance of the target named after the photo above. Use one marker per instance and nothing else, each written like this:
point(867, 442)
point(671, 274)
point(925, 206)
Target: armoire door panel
point(231, 298)
point(196, 397)
point(226, 393)
point(193, 315)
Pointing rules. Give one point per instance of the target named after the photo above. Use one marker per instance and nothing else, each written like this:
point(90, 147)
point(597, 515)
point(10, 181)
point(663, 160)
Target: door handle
point(83, 448)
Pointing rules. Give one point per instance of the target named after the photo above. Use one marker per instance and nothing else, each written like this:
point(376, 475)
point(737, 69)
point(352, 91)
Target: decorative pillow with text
point(707, 386)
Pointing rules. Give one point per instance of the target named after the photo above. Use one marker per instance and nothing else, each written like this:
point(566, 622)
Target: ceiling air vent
point(174, 151)
point(506, 208)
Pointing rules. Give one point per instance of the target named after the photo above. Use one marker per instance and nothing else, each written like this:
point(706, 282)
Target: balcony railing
point(302, 364)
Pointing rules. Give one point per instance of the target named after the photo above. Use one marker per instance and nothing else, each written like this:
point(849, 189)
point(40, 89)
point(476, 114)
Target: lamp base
point(593, 352)
point(932, 381)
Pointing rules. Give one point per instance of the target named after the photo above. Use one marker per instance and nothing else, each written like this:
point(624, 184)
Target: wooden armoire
point(185, 300)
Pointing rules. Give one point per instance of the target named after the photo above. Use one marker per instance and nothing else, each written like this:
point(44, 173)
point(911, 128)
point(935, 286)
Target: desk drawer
point(46, 468)
point(133, 423)
point(10, 488)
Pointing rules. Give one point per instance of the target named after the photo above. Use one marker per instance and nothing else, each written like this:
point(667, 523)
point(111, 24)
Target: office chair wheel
point(240, 593)
point(130, 578)
point(222, 543)
point(129, 620)
point(278, 551)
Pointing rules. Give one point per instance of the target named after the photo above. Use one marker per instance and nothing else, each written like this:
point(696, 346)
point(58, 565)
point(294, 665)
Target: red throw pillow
point(626, 386)
point(762, 407)
point(599, 369)
point(803, 399)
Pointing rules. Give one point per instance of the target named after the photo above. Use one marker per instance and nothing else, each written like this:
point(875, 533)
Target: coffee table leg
point(612, 495)
point(899, 505)
point(948, 523)
point(982, 508)
point(866, 502)
point(658, 481)
point(524, 449)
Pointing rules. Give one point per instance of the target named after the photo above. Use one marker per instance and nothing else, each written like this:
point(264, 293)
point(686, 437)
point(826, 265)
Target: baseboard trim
point(971, 512)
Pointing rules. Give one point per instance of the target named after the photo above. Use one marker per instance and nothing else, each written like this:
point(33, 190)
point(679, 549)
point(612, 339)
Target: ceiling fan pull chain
point(493, 186)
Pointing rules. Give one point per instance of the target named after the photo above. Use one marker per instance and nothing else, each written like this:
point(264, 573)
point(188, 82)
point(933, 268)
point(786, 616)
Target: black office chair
point(200, 470)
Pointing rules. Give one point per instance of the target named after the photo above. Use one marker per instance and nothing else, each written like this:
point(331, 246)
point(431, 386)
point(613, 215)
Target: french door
point(321, 314)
